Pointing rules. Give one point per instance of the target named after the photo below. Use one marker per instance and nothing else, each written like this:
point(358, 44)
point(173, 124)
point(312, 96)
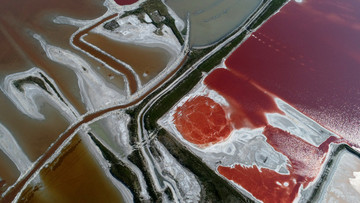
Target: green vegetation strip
point(119, 170)
point(31, 79)
point(137, 158)
point(270, 10)
point(164, 104)
point(214, 188)
point(39, 82)
point(52, 87)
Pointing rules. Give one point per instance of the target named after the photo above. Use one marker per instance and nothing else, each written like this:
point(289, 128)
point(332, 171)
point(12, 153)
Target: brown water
point(52, 149)
point(8, 172)
point(33, 136)
point(103, 57)
point(30, 54)
point(20, 52)
point(147, 62)
point(73, 177)
point(19, 19)
point(111, 78)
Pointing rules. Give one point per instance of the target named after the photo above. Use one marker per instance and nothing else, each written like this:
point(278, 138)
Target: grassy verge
point(214, 188)
point(164, 104)
point(28, 80)
point(137, 158)
point(119, 170)
point(52, 87)
point(37, 81)
point(271, 9)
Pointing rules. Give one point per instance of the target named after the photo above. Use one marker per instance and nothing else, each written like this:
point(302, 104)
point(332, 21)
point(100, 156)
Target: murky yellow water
point(20, 19)
point(74, 177)
point(8, 172)
point(20, 52)
point(33, 136)
point(212, 20)
point(147, 62)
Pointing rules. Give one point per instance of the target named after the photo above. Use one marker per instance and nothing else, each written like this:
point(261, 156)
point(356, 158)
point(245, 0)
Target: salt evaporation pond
point(147, 62)
point(125, 2)
point(248, 105)
point(343, 183)
point(75, 176)
point(20, 19)
point(202, 121)
point(21, 52)
point(309, 55)
point(8, 172)
point(212, 20)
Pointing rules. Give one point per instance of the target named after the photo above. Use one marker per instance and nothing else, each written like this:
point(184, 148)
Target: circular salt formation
point(202, 121)
point(125, 2)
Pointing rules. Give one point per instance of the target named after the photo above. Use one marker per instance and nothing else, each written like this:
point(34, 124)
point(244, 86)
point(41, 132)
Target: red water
point(202, 121)
point(309, 55)
point(305, 161)
point(266, 185)
point(125, 2)
point(247, 102)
